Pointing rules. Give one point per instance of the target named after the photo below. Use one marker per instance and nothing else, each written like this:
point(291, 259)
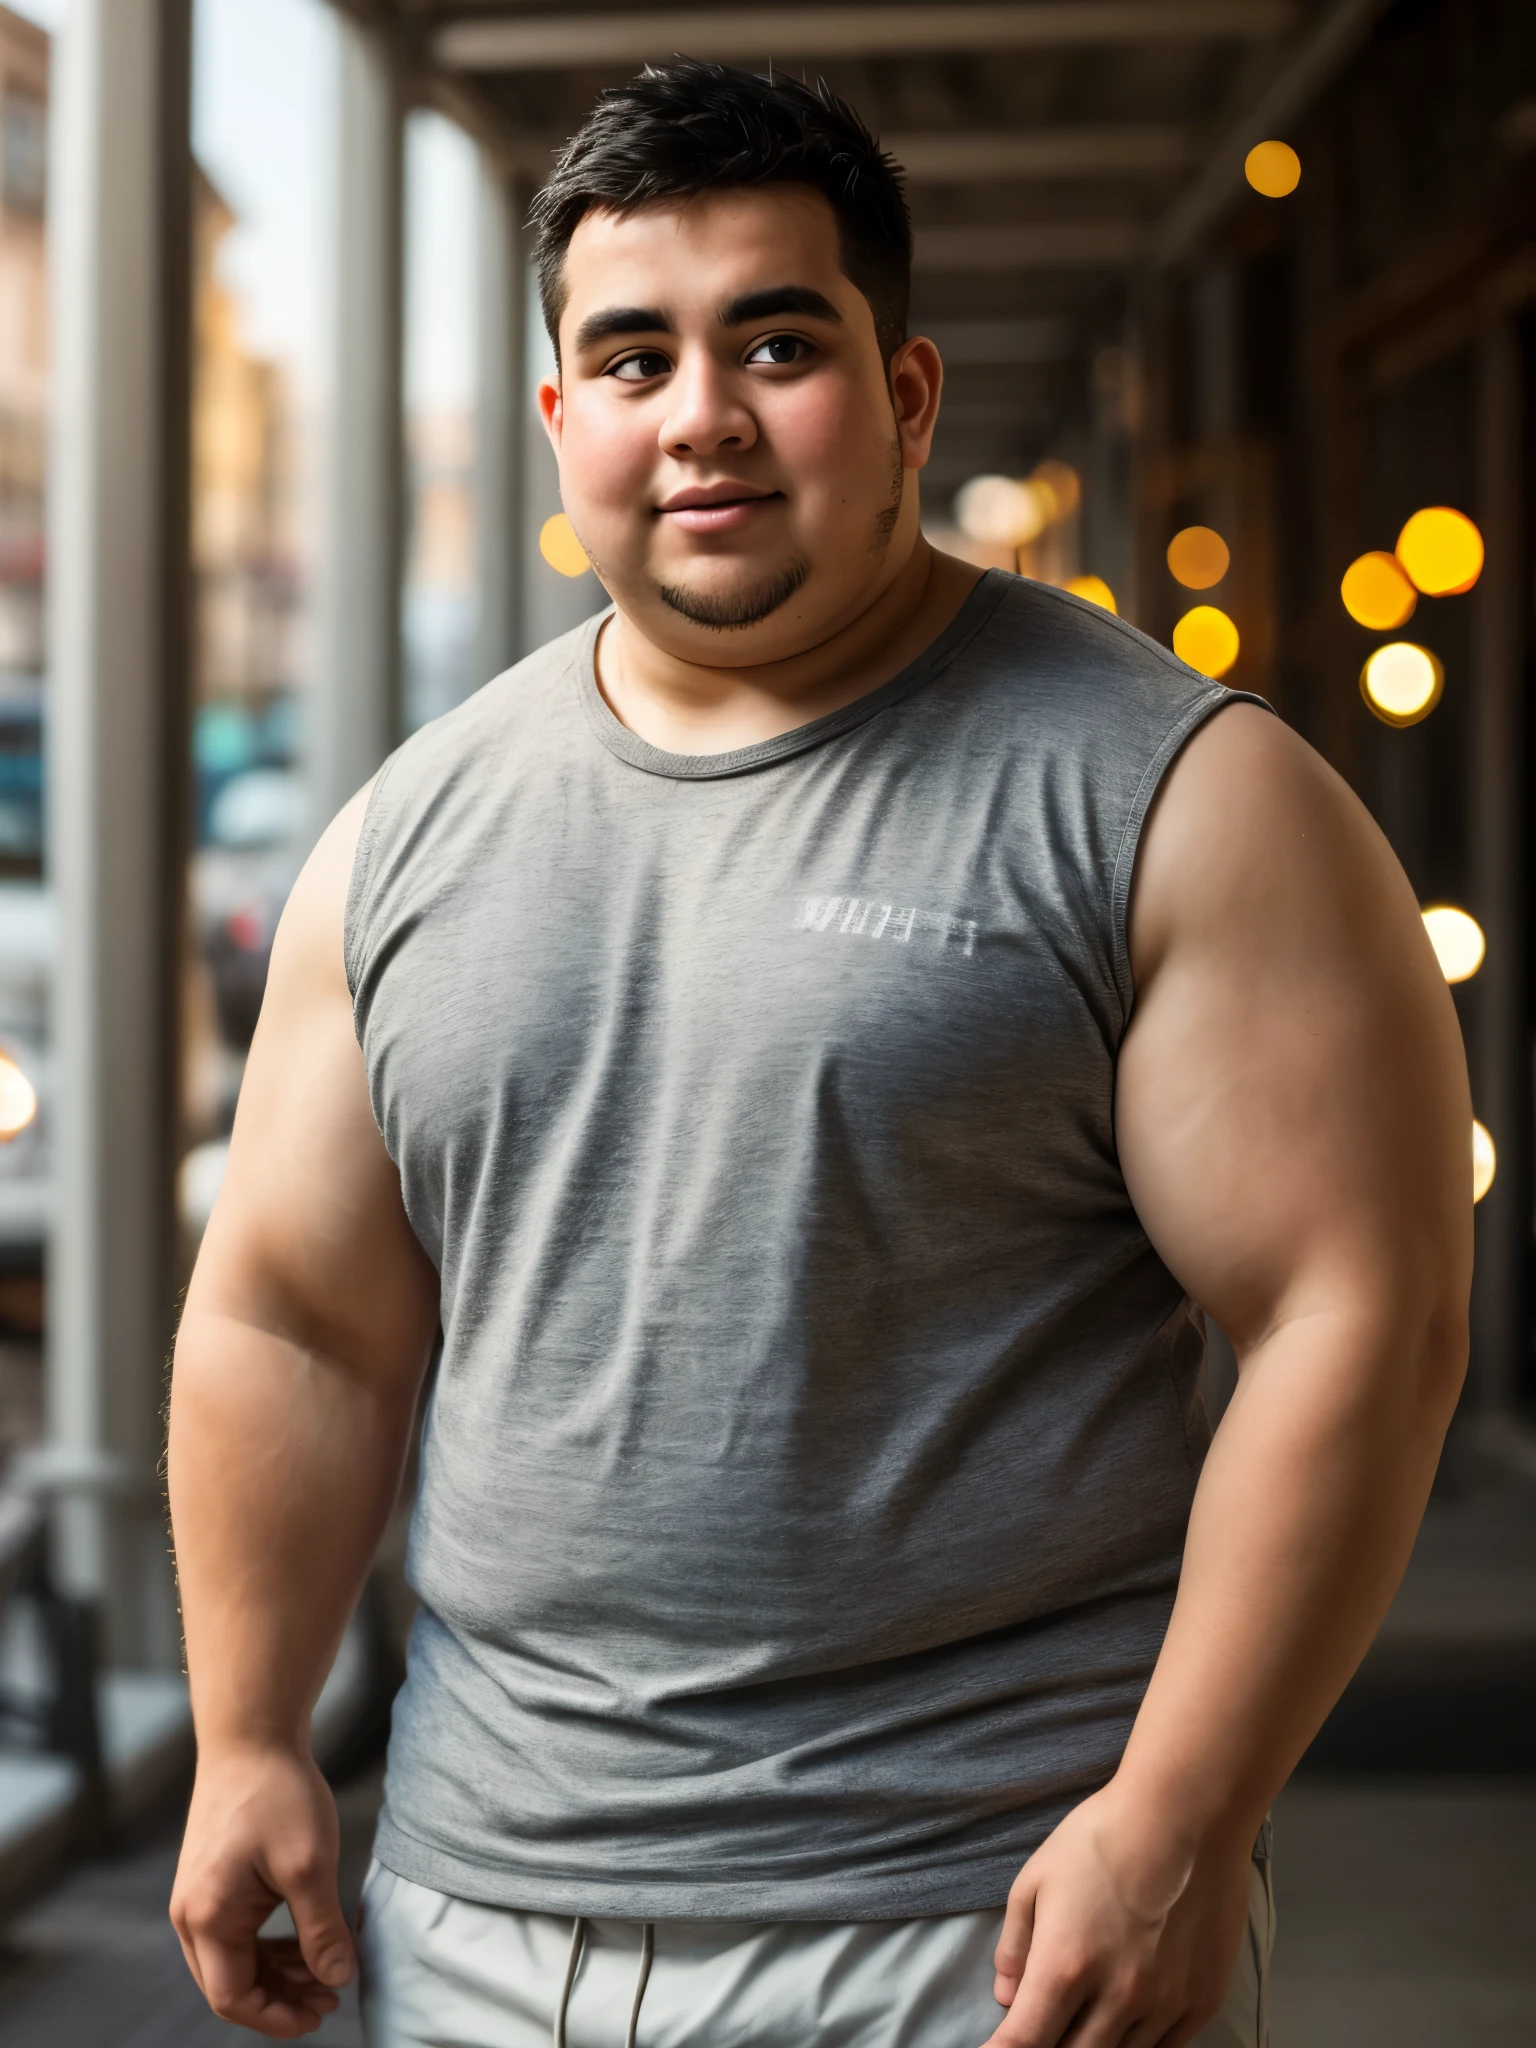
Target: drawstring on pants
point(647, 1950)
point(578, 1949)
point(578, 1943)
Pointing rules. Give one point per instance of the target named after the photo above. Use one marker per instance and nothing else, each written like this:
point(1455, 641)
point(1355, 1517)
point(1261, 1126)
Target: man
point(808, 1038)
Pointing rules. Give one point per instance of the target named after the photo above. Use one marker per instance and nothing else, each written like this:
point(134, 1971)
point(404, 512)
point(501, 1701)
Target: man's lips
point(716, 508)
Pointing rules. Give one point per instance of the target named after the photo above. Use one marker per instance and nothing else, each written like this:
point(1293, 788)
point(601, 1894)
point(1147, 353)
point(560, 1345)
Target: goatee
point(743, 609)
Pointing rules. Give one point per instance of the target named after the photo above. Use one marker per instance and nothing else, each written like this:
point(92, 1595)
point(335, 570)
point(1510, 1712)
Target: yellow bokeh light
point(1441, 550)
point(1198, 557)
point(1207, 640)
point(1272, 168)
point(1002, 511)
point(1061, 481)
point(1457, 939)
point(1402, 682)
point(18, 1100)
point(560, 547)
point(1095, 589)
point(1485, 1161)
point(1377, 593)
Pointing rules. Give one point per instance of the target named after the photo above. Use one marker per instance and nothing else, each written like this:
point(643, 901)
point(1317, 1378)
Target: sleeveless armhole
point(1213, 698)
point(357, 888)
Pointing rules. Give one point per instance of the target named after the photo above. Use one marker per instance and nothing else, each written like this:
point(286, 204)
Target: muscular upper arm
point(1292, 1106)
point(309, 1237)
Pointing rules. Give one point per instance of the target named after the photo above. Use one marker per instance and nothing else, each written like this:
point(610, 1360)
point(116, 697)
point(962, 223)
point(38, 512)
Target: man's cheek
point(606, 465)
point(819, 438)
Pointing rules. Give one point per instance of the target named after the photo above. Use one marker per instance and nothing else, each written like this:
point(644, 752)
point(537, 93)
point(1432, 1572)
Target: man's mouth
point(716, 508)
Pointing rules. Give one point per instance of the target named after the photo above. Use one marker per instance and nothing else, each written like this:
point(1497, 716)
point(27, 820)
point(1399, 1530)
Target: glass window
point(439, 601)
point(263, 114)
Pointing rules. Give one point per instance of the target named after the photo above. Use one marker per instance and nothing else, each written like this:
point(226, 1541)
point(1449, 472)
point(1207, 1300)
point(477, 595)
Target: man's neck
point(687, 707)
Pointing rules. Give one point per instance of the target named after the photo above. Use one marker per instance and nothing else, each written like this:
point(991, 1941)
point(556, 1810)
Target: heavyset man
point(807, 1039)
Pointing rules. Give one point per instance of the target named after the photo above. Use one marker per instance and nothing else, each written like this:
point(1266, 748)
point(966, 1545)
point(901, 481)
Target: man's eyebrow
point(776, 299)
point(615, 320)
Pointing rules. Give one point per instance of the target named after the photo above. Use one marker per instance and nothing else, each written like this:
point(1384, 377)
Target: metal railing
point(60, 1717)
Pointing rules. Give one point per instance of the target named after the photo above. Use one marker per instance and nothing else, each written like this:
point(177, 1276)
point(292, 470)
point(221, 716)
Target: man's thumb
point(324, 1941)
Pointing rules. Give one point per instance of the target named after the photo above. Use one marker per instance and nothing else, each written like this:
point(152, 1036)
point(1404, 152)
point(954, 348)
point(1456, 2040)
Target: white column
point(354, 710)
point(117, 789)
point(503, 406)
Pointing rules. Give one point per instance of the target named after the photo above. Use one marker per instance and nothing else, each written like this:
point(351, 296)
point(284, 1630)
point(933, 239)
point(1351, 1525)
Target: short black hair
point(688, 127)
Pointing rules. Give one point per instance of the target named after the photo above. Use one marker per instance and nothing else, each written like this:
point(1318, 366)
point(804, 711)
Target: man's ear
point(917, 378)
point(551, 411)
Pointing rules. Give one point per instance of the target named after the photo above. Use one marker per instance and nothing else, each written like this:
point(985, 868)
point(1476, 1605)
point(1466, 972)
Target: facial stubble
point(726, 614)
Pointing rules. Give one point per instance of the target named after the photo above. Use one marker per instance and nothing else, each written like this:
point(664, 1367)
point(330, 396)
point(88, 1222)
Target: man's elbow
point(1444, 1348)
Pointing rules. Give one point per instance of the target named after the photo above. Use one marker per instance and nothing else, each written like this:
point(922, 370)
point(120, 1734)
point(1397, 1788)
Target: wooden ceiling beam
point(569, 40)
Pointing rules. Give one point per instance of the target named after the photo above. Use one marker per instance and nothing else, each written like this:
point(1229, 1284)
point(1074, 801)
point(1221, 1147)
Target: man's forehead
point(734, 235)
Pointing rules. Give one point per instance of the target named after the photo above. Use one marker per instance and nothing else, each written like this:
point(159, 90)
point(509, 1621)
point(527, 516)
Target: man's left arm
point(1294, 1128)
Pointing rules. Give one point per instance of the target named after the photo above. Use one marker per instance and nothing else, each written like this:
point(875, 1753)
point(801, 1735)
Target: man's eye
point(779, 348)
point(636, 369)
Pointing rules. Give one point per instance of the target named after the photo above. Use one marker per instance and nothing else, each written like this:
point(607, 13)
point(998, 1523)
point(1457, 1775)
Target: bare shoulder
point(1291, 1091)
point(1254, 838)
point(307, 951)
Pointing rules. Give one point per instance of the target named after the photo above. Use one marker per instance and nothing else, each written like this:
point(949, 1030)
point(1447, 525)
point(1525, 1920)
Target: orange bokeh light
point(1441, 550)
point(1198, 557)
point(1207, 639)
point(1377, 593)
point(1095, 590)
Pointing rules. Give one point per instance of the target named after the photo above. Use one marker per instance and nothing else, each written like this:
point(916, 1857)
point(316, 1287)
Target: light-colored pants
point(442, 1973)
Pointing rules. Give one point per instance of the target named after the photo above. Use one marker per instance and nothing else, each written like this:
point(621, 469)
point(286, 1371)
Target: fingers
point(266, 1986)
point(325, 1940)
point(1047, 2008)
point(1065, 2007)
point(1012, 1952)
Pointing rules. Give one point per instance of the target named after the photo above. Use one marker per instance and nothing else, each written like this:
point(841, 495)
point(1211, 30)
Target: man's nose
point(706, 412)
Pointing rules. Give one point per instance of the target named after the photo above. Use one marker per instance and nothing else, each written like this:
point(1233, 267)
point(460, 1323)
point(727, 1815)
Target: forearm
point(283, 1468)
point(1303, 1522)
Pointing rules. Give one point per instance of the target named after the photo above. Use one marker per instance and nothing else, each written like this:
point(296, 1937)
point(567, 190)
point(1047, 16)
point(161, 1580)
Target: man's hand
point(261, 1833)
point(1117, 1936)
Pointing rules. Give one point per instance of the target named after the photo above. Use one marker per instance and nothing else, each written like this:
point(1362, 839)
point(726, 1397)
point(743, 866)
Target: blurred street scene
point(1237, 304)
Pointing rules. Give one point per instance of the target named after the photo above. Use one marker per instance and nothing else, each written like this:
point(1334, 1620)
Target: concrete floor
point(1405, 1915)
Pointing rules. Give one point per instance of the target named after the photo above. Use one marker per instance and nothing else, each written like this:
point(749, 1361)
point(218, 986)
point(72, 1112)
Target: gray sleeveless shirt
point(806, 1470)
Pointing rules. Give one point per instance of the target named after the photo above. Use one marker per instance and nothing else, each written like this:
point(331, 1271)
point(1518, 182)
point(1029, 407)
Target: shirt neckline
point(979, 605)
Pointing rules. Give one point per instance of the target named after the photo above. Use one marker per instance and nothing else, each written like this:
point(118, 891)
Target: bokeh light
point(1402, 682)
point(1441, 550)
point(1062, 485)
point(560, 547)
point(18, 1100)
point(1002, 511)
point(1095, 589)
point(1198, 557)
point(1273, 169)
point(1457, 939)
point(1207, 640)
point(1377, 592)
point(1485, 1161)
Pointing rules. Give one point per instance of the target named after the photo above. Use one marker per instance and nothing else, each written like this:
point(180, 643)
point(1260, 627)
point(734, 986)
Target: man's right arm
point(307, 1329)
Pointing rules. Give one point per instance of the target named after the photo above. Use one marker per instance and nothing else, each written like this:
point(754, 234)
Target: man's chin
point(737, 606)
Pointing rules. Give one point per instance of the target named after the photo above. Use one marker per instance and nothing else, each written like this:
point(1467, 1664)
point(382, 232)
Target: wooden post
point(1499, 1061)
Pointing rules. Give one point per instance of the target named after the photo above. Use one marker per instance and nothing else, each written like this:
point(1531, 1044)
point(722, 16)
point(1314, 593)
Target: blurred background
point(1237, 301)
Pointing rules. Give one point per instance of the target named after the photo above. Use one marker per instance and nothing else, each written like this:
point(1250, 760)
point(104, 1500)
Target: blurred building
point(246, 546)
point(23, 340)
point(23, 434)
point(439, 612)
